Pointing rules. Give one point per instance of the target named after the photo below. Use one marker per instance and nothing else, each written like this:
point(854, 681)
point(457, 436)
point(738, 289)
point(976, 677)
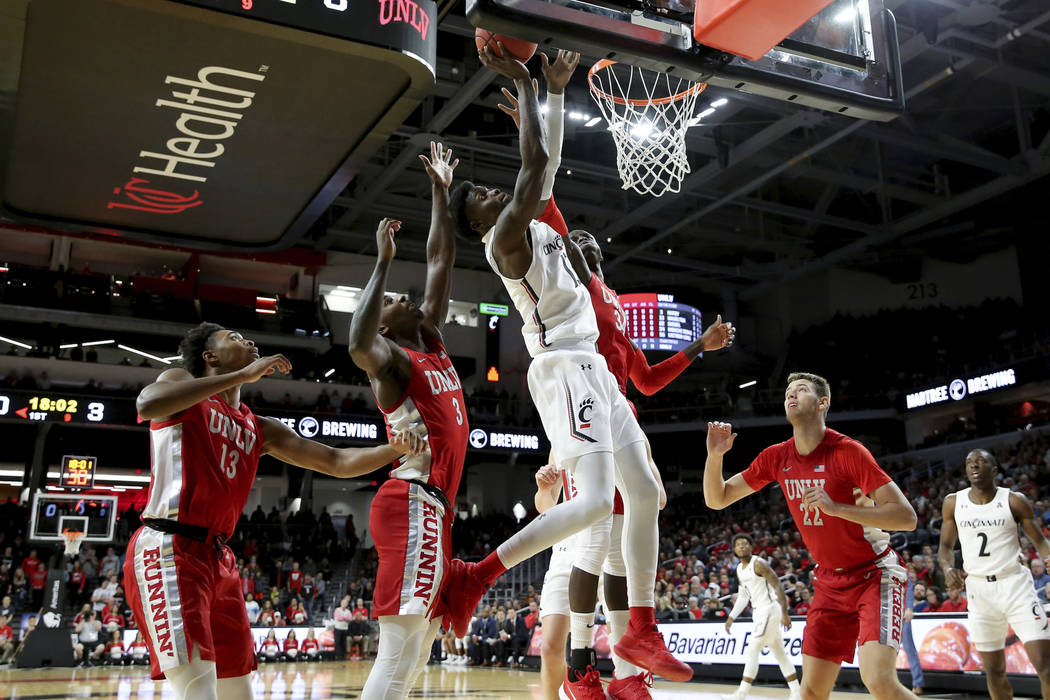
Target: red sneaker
point(646, 649)
point(461, 592)
point(631, 688)
point(587, 686)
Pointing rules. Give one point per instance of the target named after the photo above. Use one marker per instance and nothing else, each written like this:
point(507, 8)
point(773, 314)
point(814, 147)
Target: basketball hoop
point(648, 121)
point(73, 539)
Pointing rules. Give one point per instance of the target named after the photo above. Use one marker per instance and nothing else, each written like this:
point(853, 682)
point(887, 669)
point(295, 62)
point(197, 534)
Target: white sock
point(618, 621)
point(744, 688)
point(794, 687)
point(581, 630)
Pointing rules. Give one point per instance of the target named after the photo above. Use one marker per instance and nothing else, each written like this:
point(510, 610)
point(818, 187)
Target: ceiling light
point(67, 346)
point(593, 121)
point(845, 16)
point(16, 343)
point(608, 239)
point(330, 372)
point(577, 116)
point(641, 130)
point(144, 354)
point(719, 102)
point(668, 251)
point(173, 358)
point(265, 311)
point(750, 383)
point(98, 342)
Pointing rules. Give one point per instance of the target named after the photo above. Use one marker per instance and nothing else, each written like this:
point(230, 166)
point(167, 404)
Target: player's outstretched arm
point(281, 442)
point(651, 379)
point(369, 350)
point(1023, 513)
point(946, 550)
point(719, 493)
point(441, 242)
point(510, 245)
point(892, 510)
point(177, 390)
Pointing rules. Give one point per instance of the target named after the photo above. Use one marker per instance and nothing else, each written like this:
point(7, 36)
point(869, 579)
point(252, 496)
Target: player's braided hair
point(193, 345)
point(458, 208)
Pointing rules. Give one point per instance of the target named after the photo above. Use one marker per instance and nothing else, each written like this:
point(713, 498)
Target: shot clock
point(78, 472)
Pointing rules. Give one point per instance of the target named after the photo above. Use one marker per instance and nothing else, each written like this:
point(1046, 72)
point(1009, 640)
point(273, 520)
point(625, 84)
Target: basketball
point(519, 49)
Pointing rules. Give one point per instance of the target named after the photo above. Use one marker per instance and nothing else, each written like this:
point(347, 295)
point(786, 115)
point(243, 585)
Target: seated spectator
point(310, 648)
point(252, 608)
point(933, 601)
point(110, 564)
point(359, 634)
point(955, 603)
point(7, 606)
point(297, 614)
point(291, 646)
point(519, 634)
point(483, 629)
point(139, 651)
point(804, 603)
point(713, 610)
point(278, 620)
point(112, 620)
point(1040, 579)
point(360, 608)
point(114, 650)
point(7, 640)
point(265, 618)
point(269, 648)
point(695, 610)
point(534, 615)
point(89, 647)
point(84, 610)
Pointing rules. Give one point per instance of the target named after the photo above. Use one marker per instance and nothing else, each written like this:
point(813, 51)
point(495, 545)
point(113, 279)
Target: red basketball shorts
point(183, 595)
point(856, 606)
point(413, 540)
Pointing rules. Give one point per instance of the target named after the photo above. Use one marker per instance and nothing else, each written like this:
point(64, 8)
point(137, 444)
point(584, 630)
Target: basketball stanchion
point(49, 643)
point(648, 114)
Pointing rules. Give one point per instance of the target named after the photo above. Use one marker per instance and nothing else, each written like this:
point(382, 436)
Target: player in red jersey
point(417, 389)
point(842, 503)
point(180, 577)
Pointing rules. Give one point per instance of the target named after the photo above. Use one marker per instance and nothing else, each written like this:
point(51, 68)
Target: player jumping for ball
point(860, 583)
point(417, 389)
point(182, 581)
point(999, 588)
point(588, 421)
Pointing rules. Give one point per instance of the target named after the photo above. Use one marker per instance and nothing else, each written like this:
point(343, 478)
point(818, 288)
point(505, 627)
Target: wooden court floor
point(332, 680)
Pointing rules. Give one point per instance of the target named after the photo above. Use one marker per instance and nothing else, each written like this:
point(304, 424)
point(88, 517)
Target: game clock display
point(658, 322)
point(42, 407)
point(77, 472)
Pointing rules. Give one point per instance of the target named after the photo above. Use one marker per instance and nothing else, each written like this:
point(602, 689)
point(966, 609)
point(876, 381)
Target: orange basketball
point(521, 50)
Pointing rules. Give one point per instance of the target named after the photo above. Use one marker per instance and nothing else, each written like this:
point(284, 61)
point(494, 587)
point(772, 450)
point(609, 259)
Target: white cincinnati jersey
point(987, 534)
point(554, 305)
point(759, 590)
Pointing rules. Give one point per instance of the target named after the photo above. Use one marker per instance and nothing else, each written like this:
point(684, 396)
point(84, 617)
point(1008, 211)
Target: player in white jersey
point(999, 587)
point(769, 610)
point(586, 418)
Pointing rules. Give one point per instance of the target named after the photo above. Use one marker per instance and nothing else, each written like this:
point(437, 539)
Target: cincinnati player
point(588, 421)
point(760, 587)
point(417, 389)
point(181, 579)
point(860, 583)
point(999, 586)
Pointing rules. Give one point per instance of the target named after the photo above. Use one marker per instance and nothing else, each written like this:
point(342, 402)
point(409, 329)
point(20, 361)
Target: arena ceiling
point(776, 191)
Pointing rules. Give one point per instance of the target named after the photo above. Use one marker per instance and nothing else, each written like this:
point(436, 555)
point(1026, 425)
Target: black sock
point(579, 660)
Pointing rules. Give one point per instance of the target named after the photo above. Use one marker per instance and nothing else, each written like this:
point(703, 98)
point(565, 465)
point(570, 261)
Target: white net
point(648, 114)
point(72, 538)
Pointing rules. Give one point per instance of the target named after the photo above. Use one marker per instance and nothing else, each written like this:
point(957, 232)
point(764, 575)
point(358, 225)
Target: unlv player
point(860, 583)
point(181, 579)
point(999, 586)
point(417, 389)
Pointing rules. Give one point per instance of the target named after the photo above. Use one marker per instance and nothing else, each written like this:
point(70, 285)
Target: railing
point(513, 584)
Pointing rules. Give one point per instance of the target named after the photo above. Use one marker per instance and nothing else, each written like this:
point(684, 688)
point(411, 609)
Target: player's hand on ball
point(385, 238)
point(264, 366)
point(438, 166)
point(559, 72)
point(816, 498)
point(505, 64)
point(547, 476)
point(720, 437)
point(408, 443)
point(718, 335)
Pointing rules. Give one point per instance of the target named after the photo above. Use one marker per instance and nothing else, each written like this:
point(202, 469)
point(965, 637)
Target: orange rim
point(605, 63)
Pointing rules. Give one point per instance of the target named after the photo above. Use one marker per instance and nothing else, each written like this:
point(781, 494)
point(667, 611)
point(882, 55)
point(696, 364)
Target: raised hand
point(506, 65)
point(512, 110)
point(559, 72)
point(264, 366)
point(718, 335)
point(438, 165)
point(720, 437)
point(385, 238)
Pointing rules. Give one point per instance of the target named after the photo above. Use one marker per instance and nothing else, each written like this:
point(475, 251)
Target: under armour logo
point(585, 366)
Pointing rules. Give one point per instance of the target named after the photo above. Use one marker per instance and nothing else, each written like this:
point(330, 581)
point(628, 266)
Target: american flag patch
point(818, 468)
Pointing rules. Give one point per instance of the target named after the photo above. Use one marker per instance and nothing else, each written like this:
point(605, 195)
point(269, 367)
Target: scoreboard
point(658, 322)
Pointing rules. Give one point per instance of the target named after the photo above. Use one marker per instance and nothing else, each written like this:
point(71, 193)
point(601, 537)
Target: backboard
point(52, 513)
point(846, 59)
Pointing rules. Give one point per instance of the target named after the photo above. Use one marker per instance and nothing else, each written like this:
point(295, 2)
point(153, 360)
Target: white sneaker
point(738, 695)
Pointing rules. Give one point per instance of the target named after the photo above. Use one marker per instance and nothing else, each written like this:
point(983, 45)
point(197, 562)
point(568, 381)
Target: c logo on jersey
point(584, 414)
point(478, 438)
point(308, 426)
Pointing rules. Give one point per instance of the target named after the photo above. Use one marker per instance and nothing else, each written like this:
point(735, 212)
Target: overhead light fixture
point(16, 343)
point(266, 311)
point(750, 383)
point(707, 112)
point(270, 300)
point(592, 122)
point(173, 358)
point(98, 342)
point(845, 16)
point(642, 129)
point(577, 116)
point(67, 346)
point(3, 269)
point(719, 102)
point(330, 372)
point(144, 354)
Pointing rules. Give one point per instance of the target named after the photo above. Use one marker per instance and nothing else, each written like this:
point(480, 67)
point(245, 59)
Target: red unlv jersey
point(845, 469)
point(432, 407)
point(613, 343)
point(203, 465)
